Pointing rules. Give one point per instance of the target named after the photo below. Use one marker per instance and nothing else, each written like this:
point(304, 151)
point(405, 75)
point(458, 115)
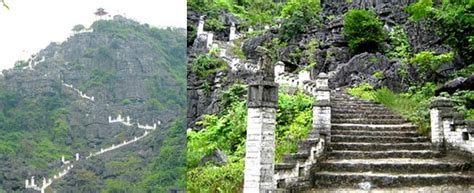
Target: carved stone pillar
point(322, 110)
point(261, 123)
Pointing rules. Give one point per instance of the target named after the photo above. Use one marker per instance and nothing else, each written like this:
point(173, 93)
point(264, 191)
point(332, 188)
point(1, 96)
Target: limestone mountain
point(63, 101)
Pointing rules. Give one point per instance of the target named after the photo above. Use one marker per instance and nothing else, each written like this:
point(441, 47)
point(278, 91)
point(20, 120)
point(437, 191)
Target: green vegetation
point(463, 102)
point(126, 102)
point(236, 49)
point(78, 28)
point(207, 64)
point(400, 45)
point(100, 78)
point(228, 178)
point(33, 129)
point(311, 49)
point(168, 168)
point(300, 16)
point(227, 132)
point(420, 9)
point(364, 31)
point(428, 63)
point(274, 47)
point(378, 75)
point(453, 20)
point(413, 105)
point(20, 64)
point(251, 12)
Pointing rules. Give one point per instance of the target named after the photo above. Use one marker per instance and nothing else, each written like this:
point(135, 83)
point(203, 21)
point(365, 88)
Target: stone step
point(362, 115)
point(349, 99)
point(358, 107)
point(373, 127)
point(380, 146)
point(397, 165)
point(357, 111)
point(369, 121)
point(345, 102)
point(441, 188)
point(305, 145)
point(374, 133)
point(293, 157)
point(352, 179)
point(284, 166)
point(350, 154)
point(377, 138)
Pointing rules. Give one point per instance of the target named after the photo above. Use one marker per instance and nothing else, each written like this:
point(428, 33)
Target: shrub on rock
point(364, 31)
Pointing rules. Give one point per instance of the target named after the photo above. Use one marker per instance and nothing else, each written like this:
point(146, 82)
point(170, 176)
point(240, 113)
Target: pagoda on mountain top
point(100, 12)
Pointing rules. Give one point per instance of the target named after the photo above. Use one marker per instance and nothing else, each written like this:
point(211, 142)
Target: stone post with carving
point(322, 110)
point(438, 107)
point(261, 123)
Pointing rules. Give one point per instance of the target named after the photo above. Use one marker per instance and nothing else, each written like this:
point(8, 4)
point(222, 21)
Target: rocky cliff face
point(129, 69)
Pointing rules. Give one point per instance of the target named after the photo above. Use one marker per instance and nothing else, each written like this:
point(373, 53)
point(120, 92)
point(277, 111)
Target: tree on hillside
point(78, 28)
point(364, 31)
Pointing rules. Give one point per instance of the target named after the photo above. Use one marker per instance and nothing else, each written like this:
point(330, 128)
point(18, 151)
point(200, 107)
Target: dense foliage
point(33, 129)
point(227, 132)
point(250, 12)
point(455, 21)
point(428, 63)
point(207, 64)
point(364, 31)
point(299, 16)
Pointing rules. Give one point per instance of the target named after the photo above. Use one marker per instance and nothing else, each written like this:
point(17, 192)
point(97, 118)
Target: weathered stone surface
point(377, 156)
point(363, 67)
point(260, 150)
point(459, 83)
point(217, 157)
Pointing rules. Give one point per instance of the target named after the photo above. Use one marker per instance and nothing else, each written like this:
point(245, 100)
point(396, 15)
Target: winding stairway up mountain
point(372, 147)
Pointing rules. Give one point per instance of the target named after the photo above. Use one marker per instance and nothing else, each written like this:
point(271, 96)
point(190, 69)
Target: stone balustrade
point(120, 119)
point(127, 122)
point(293, 174)
point(449, 130)
point(46, 182)
point(83, 95)
point(113, 146)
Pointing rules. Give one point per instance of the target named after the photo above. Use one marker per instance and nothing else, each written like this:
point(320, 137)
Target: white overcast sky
point(30, 25)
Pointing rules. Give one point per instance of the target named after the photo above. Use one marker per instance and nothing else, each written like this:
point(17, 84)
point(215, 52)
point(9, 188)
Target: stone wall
point(449, 130)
